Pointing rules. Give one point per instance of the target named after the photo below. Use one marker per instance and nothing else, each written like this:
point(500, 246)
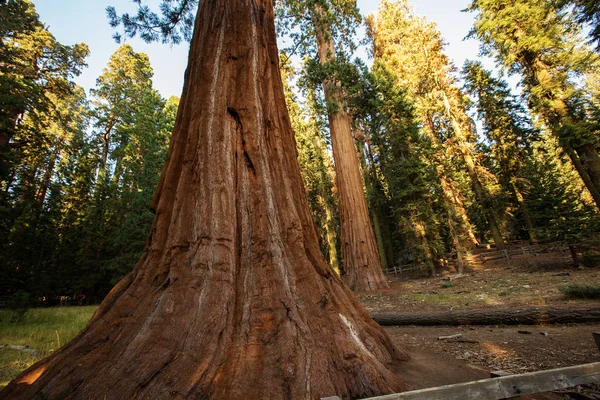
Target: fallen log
point(512, 316)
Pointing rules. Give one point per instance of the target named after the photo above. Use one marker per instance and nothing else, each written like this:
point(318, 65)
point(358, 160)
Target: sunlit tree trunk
point(461, 229)
point(232, 297)
point(587, 180)
point(362, 266)
point(585, 157)
point(480, 190)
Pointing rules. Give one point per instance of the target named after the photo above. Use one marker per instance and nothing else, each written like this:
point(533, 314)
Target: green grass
point(41, 329)
point(581, 291)
point(435, 298)
point(509, 291)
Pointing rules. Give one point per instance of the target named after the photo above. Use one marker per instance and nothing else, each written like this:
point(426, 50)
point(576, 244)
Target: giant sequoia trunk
point(232, 297)
point(362, 266)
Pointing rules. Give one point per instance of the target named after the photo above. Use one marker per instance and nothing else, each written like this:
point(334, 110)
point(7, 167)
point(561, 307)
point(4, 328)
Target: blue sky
point(75, 21)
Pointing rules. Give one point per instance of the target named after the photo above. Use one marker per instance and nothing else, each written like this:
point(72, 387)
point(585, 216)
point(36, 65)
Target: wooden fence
point(504, 386)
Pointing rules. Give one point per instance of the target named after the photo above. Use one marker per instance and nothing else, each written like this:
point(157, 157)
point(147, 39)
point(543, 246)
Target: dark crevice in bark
point(240, 128)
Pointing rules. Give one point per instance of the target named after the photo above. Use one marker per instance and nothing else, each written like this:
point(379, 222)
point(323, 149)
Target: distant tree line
point(78, 170)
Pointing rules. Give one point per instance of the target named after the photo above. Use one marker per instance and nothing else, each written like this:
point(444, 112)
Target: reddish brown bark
point(362, 265)
point(232, 297)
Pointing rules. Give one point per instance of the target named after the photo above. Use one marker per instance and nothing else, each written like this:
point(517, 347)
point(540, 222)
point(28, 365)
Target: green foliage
point(446, 284)
point(300, 20)
point(322, 33)
point(581, 291)
point(132, 126)
point(315, 165)
point(509, 291)
point(561, 208)
point(411, 49)
point(586, 12)
point(34, 70)
point(543, 44)
point(397, 176)
point(174, 24)
point(509, 136)
point(77, 204)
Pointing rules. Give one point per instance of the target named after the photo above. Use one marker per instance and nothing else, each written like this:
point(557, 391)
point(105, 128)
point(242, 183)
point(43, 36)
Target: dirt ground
point(534, 281)
point(483, 349)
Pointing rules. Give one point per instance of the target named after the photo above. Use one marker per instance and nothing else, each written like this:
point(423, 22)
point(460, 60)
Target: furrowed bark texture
point(362, 266)
point(232, 297)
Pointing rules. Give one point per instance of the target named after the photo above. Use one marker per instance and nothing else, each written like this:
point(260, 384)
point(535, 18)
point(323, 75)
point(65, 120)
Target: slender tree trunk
point(386, 232)
point(331, 238)
point(583, 174)
point(362, 267)
point(590, 160)
point(5, 151)
point(105, 151)
point(232, 297)
point(421, 236)
point(489, 213)
point(9, 127)
point(525, 211)
point(455, 207)
point(45, 185)
point(460, 263)
point(585, 158)
point(453, 202)
point(380, 241)
point(4, 141)
point(369, 174)
point(386, 249)
point(480, 191)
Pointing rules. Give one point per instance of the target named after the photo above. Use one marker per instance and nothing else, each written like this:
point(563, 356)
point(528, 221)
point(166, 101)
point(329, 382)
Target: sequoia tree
point(232, 297)
point(322, 20)
point(315, 165)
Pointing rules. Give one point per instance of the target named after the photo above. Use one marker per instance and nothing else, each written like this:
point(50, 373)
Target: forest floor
point(517, 283)
point(520, 282)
